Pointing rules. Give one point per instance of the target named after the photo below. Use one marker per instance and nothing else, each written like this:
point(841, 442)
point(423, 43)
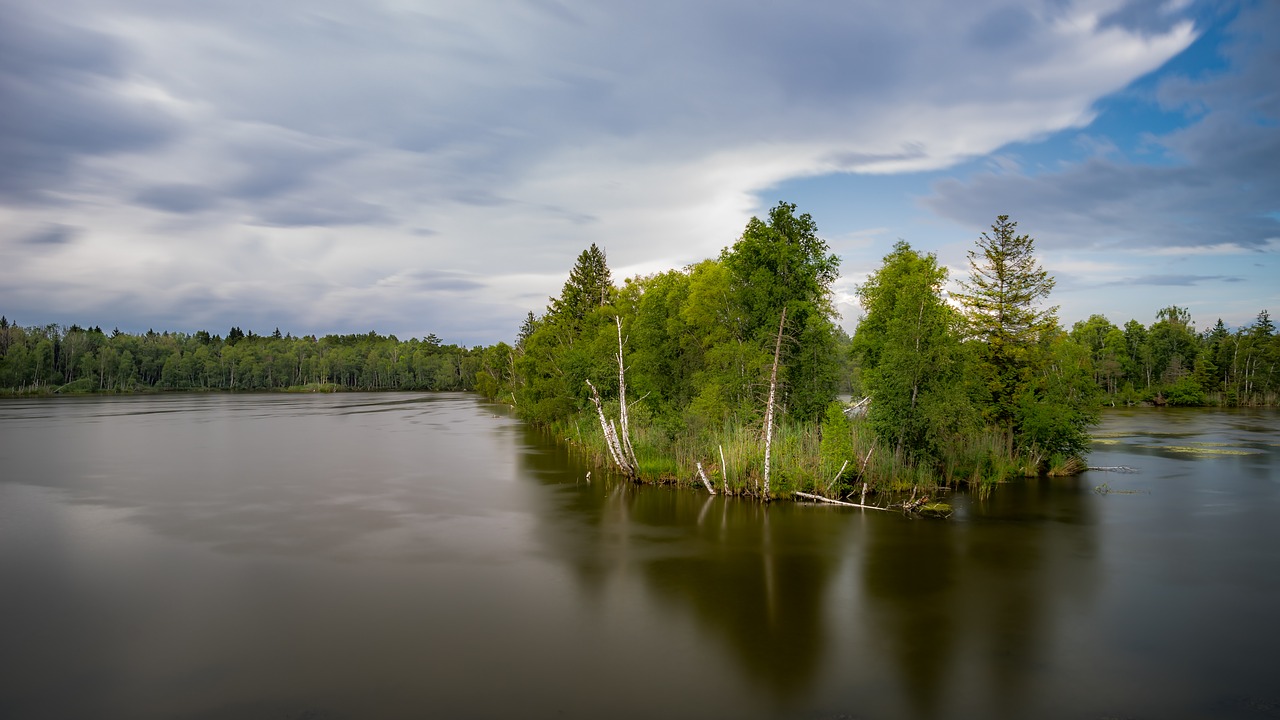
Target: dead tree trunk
point(610, 434)
point(724, 472)
point(619, 444)
point(622, 402)
point(705, 481)
point(773, 391)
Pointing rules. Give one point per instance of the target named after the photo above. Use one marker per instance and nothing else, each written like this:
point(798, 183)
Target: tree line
point(1169, 362)
point(53, 358)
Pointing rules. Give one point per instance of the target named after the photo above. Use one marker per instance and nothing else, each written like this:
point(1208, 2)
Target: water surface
point(409, 555)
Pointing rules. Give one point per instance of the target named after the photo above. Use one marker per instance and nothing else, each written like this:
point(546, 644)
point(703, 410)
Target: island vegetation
point(727, 372)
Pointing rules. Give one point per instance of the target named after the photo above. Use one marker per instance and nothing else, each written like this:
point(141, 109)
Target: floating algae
point(1202, 451)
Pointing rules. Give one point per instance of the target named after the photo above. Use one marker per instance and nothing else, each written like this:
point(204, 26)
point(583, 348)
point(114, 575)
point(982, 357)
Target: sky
point(414, 167)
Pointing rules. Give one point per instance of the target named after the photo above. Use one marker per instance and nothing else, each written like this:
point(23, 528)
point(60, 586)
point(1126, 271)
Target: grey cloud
point(434, 281)
point(57, 82)
point(177, 198)
point(1102, 204)
point(498, 125)
point(478, 197)
point(317, 212)
point(1001, 26)
point(1144, 16)
point(52, 234)
point(1174, 280)
point(852, 161)
point(574, 217)
point(1224, 187)
point(275, 163)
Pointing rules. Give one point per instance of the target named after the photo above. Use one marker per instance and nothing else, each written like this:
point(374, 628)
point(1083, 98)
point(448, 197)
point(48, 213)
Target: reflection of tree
point(909, 578)
point(755, 577)
point(963, 609)
point(983, 587)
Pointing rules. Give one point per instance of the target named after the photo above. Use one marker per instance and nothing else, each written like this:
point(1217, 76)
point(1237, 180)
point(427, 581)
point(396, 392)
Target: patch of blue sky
point(1127, 124)
point(1125, 129)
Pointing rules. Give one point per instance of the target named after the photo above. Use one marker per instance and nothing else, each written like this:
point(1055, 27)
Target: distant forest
point(53, 358)
point(1169, 362)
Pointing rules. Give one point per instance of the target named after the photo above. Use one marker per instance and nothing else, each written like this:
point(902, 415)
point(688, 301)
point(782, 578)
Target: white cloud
point(300, 149)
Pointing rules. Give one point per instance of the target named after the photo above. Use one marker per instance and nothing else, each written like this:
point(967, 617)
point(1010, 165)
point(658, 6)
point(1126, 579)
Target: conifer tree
point(1001, 300)
point(589, 286)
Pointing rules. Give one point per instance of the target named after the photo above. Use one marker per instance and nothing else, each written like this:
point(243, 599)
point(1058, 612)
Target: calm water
point(366, 556)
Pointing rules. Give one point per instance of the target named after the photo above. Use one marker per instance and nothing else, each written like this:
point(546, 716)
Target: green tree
point(913, 366)
point(1002, 303)
point(574, 341)
point(1174, 345)
point(590, 285)
point(1059, 403)
point(836, 446)
point(724, 366)
point(783, 263)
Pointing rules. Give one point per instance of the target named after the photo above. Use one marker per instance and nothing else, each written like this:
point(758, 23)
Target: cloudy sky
point(413, 166)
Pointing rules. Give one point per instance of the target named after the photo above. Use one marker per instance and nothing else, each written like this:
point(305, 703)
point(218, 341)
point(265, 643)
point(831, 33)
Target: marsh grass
point(980, 460)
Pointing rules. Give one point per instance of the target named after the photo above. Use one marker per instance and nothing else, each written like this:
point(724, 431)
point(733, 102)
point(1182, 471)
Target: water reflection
point(751, 577)
point(757, 580)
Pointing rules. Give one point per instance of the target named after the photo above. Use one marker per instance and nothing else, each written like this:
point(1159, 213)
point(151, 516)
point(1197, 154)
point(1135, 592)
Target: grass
point(732, 455)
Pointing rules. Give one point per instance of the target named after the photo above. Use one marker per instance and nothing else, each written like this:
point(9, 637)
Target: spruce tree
point(1001, 300)
point(589, 286)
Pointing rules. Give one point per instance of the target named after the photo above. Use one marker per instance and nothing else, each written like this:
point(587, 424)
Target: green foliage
point(912, 363)
point(73, 359)
point(574, 341)
point(1169, 363)
point(1185, 392)
point(1056, 408)
point(783, 263)
point(1000, 299)
point(836, 447)
point(590, 286)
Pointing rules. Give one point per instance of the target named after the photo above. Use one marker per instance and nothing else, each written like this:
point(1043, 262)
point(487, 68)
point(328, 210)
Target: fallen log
point(819, 498)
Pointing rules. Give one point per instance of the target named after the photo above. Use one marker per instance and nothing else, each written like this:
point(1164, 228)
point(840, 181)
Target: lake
point(420, 555)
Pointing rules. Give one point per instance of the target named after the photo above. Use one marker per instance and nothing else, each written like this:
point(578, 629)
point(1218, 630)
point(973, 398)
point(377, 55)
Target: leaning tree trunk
point(622, 403)
point(619, 444)
point(773, 391)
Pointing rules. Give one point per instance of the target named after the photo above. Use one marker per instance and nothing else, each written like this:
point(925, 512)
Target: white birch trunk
point(705, 481)
point(622, 402)
point(819, 498)
point(724, 472)
point(610, 437)
point(773, 390)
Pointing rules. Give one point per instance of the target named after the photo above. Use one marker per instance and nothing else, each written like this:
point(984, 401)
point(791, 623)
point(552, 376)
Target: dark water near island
point(406, 555)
